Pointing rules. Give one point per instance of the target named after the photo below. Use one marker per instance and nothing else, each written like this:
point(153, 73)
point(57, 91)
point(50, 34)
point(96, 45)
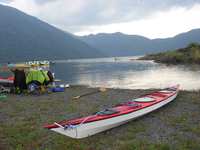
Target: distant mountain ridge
point(119, 44)
point(24, 37)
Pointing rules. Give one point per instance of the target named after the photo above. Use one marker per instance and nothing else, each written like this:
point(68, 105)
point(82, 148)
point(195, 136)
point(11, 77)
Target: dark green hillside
point(23, 37)
point(188, 55)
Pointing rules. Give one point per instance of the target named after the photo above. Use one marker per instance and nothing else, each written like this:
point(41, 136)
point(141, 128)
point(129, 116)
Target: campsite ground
point(175, 126)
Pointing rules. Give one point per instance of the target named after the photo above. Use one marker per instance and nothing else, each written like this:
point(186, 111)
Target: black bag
point(20, 79)
point(50, 75)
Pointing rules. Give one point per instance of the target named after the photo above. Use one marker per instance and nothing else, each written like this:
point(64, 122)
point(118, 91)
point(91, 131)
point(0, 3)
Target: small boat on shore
point(115, 116)
point(8, 82)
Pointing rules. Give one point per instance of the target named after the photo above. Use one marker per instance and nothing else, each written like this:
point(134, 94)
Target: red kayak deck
point(9, 79)
point(120, 109)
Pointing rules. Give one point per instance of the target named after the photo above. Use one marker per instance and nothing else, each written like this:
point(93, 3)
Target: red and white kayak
point(7, 81)
point(115, 116)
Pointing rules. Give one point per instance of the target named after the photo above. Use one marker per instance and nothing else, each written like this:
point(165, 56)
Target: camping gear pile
point(31, 77)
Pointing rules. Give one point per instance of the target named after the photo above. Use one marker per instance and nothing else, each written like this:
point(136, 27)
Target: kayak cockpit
point(107, 111)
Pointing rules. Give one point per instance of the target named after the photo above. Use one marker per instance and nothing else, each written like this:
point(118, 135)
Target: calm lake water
point(126, 73)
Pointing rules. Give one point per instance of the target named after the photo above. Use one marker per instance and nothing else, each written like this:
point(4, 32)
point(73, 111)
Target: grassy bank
point(175, 126)
point(188, 55)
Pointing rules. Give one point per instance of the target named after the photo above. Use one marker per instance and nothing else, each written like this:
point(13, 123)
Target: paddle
point(99, 90)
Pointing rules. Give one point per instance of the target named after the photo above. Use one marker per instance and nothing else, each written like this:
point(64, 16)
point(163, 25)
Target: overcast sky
point(150, 18)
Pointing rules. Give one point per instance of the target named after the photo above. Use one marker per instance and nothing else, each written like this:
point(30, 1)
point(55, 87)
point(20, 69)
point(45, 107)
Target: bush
point(190, 54)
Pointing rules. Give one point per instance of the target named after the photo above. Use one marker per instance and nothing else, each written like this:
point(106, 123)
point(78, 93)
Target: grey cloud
point(101, 12)
point(76, 14)
point(5, 1)
point(44, 1)
point(37, 1)
point(104, 11)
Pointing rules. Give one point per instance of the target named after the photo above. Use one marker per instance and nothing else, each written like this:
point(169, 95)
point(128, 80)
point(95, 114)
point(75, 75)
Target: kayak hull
point(83, 130)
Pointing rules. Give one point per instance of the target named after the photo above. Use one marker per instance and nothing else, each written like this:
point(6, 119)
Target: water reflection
point(126, 73)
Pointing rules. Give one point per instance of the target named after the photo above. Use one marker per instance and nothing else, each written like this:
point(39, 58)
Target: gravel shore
point(175, 126)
